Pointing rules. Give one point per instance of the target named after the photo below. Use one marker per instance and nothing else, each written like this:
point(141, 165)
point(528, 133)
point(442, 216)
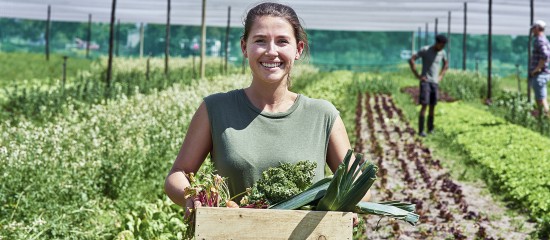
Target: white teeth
point(271, 65)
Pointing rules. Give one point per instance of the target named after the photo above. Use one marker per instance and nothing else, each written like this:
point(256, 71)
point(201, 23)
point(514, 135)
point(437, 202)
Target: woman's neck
point(270, 98)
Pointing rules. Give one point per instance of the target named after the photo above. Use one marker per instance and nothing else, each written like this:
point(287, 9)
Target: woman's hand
point(355, 219)
point(190, 205)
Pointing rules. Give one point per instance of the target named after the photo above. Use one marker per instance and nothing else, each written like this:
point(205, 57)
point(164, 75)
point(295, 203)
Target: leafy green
point(282, 182)
point(349, 185)
point(514, 160)
point(344, 191)
point(394, 209)
point(312, 194)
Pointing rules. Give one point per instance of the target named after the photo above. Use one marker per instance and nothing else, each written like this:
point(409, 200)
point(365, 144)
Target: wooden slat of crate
point(237, 223)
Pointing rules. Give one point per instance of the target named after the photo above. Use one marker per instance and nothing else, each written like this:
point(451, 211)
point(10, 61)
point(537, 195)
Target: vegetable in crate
point(280, 183)
point(344, 191)
point(211, 191)
point(277, 184)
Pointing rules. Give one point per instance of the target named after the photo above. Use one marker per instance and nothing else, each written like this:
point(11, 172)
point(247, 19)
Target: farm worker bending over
point(431, 75)
point(538, 70)
point(248, 130)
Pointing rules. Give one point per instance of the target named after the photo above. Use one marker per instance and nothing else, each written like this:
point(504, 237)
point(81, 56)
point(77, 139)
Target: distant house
point(81, 44)
point(132, 40)
point(213, 46)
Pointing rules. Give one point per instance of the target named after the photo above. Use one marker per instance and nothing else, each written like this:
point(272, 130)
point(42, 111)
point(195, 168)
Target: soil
point(408, 172)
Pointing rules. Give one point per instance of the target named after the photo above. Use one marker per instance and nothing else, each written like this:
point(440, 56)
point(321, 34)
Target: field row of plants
point(130, 76)
point(515, 108)
point(508, 104)
point(472, 88)
point(409, 171)
point(31, 69)
point(514, 159)
point(95, 172)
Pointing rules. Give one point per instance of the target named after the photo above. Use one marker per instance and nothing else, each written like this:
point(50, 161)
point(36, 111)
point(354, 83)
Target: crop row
point(515, 160)
point(408, 171)
point(94, 172)
point(42, 102)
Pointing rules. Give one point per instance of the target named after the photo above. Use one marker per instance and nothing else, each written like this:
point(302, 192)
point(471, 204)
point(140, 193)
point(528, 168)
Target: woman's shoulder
point(221, 97)
point(319, 105)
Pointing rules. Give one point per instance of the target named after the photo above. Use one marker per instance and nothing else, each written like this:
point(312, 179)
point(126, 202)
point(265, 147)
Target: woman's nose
point(271, 49)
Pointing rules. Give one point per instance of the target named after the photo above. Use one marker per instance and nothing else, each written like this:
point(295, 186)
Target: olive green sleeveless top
point(247, 141)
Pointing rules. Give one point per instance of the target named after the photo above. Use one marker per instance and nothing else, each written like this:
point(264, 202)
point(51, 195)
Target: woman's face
point(271, 49)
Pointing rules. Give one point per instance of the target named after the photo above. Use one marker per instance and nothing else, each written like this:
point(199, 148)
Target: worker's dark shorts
point(428, 93)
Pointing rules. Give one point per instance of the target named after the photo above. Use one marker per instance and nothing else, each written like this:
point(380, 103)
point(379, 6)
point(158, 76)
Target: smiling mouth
point(271, 65)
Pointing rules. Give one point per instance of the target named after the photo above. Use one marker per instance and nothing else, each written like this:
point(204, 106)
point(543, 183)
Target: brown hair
point(276, 10)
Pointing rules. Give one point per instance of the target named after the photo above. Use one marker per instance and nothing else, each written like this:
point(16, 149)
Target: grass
point(453, 159)
point(31, 69)
point(510, 83)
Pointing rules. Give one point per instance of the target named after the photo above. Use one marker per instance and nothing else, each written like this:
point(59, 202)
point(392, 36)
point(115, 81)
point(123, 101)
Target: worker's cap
point(539, 23)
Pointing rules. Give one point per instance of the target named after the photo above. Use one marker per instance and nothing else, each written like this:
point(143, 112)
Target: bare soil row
point(448, 209)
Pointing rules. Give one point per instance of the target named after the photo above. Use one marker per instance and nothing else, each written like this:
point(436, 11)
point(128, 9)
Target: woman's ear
point(243, 48)
point(299, 49)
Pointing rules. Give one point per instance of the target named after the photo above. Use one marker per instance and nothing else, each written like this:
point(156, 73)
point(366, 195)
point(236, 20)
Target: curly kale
point(280, 183)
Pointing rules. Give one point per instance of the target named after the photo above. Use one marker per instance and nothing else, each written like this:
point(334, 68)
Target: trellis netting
point(355, 35)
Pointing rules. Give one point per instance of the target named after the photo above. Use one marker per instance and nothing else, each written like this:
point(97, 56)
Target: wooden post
point(227, 39)
point(111, 38)
point(64, 79)
point(141, 40)
point(518, 75)
point(419, 37)
point(435, 27)
point(167, 48)
point(147, 68)
point(89, 37)
point(449, 38)
point(117, 36)
point(48, 33)
point(529, 52)
point(194, 67)
point(412, 42)
point(464, 36)
point(203, 39)
point(490, 52)
point(426, 35)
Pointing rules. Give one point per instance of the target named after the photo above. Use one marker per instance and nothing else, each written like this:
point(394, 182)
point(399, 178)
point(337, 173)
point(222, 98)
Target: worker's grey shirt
point(431, 62)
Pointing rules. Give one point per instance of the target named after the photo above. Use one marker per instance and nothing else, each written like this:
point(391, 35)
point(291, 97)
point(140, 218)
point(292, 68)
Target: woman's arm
point(338, 146)
point(196, 146)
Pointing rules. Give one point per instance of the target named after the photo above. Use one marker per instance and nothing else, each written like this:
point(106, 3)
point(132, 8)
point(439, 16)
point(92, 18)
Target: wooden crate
point(242, 223)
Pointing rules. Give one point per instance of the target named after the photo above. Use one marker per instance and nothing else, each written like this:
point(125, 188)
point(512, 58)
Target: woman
point(249, 130)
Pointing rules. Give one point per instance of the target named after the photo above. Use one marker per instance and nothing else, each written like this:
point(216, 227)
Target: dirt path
point(448, 209)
